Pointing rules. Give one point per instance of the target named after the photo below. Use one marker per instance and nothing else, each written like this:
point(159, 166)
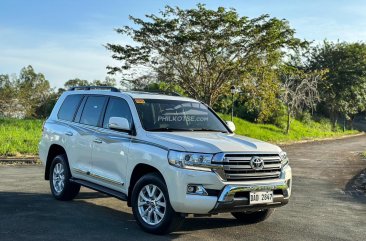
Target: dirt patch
point(19, 160)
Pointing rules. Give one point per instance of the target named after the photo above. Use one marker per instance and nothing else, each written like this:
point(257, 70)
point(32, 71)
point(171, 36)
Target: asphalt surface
point(324, 205)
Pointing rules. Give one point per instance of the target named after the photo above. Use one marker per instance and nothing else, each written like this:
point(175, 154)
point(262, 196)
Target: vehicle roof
point(133, 94)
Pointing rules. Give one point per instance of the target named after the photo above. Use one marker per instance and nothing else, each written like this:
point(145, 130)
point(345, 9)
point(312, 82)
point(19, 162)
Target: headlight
point(284, 158)
point(197, 161)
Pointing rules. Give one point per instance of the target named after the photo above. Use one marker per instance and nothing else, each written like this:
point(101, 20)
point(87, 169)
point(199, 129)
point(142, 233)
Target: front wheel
point(253, 217)
point(151, 206)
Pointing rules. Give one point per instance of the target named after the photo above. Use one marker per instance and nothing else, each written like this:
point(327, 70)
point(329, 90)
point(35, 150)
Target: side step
point(100, 188)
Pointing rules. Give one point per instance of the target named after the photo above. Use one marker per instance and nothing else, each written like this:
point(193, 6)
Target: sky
point(65, 39)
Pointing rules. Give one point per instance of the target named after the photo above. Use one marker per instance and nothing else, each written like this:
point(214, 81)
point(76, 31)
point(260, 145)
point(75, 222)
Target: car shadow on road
point(214, 222)
point(90, 195)
point(38, 216)
point(356, 187)
point(89, 217)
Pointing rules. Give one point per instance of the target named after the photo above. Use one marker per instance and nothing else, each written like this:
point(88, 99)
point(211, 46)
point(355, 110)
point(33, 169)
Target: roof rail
point(111, 88)
point(162, 92)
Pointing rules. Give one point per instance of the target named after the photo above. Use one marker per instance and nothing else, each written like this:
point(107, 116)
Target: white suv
point(167, 156)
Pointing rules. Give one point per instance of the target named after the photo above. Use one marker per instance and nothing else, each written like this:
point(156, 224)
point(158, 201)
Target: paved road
point(323, 206)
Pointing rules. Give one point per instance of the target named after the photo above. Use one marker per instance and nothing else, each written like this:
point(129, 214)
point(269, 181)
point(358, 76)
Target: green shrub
point(19, 137)
point(299, 130)
point(306, 118)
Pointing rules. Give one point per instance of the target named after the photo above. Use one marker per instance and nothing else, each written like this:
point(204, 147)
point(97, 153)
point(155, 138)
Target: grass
point(299, 131)
point(21, 137)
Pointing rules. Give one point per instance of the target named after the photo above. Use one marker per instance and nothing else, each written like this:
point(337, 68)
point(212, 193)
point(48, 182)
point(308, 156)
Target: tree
point(29, 94)
point(200, 50)
point(108, 81)
point(32, 90)
point(260, 87)
point(343, 91)
point(299, 90)
point(44, 109)
point(75, 82)
point(6, 94)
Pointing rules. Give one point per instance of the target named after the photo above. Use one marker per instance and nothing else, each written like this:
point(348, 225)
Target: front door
point(110, 151)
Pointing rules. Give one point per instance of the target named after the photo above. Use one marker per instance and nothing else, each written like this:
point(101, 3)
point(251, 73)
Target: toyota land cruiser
point(166, 155)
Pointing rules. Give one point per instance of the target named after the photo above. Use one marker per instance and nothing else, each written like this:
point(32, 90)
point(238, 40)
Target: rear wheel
point(151, 206)
point(61, 187)
point(253, 217)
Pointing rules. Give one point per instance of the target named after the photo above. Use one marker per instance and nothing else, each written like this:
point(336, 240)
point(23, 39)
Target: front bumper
point(230, 196)
point(228, 200)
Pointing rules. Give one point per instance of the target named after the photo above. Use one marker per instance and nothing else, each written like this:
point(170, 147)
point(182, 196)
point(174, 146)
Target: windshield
point(175, 115)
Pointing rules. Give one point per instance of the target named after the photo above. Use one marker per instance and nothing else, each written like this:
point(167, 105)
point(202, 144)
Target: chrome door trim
point(114, 182)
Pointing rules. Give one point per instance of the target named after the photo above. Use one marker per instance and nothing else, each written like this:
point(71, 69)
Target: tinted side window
point(117, 107)
point(69, 107)
point(80, 109)
point(92, 110)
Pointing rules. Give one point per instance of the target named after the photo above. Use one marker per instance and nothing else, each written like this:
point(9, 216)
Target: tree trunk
point(334, 121)
point(351, 122)
point(288, 120)
point(208, 100)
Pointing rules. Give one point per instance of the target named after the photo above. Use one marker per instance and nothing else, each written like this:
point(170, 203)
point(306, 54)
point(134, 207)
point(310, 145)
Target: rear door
point(69, 131)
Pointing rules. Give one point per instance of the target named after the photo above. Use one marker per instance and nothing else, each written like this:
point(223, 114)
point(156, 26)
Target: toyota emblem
point(256, 163)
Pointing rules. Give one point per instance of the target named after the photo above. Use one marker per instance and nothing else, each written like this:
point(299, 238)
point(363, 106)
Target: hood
point(211, 142)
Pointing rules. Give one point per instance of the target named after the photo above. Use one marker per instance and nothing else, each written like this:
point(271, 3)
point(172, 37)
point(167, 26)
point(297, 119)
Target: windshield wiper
point(204, 129)
point(168, 129)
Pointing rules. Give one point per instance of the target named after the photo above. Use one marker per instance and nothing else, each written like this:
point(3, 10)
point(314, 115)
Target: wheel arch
point(53, 151)
point(140, 170)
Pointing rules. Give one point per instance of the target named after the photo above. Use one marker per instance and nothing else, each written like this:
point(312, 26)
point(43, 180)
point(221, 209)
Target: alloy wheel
point(58, 179)
point(151, 204)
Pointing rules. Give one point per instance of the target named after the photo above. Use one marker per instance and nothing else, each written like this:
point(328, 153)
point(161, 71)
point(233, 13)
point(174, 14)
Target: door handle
point(69, 133)
point(98, 141)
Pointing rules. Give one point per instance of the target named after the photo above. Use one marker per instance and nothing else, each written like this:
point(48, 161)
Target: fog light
point(196, 190)
point(191, 189)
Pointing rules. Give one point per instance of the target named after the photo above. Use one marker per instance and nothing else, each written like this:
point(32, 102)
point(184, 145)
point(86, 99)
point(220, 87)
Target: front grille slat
point(240, 178)
point(234, 167)
point(244, 170)
point(237, 159)
point(256, 174)
point(266, 158)
point(237, 167)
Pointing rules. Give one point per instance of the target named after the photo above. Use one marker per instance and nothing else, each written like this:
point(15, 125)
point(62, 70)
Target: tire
point(253, 217)
point(154, 200)
point(61, 188)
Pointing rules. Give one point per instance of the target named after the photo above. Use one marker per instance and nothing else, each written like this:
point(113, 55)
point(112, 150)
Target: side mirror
point(119, 123)
point(231, 125)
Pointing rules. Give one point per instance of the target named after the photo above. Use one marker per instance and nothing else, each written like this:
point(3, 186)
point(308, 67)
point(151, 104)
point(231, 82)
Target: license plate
point(261, 197)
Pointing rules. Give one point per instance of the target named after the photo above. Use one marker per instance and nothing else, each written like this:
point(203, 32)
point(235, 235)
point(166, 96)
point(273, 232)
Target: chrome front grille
point(237, 167)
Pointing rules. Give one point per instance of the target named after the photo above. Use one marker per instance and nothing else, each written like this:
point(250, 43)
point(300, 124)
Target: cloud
point(59, 56)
